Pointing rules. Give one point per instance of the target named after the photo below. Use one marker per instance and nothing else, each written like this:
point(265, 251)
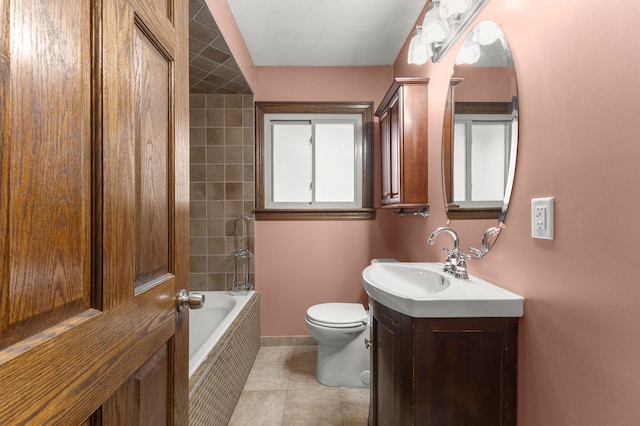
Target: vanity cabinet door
point(403, 136)
point(390, 152)
point(391, 394)
point(466, 371)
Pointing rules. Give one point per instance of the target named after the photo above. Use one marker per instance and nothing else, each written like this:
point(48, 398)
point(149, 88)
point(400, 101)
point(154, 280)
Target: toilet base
point(346, 366)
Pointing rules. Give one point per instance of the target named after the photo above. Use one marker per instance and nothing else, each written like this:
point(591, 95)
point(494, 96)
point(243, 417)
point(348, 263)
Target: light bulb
point(486, 33)
point(453, 7)
point(469, 52)
point(419, 52)
point(434, 27)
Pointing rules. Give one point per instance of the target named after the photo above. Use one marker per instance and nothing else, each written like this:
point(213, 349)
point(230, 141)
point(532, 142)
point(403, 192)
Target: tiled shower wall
point(222, 187)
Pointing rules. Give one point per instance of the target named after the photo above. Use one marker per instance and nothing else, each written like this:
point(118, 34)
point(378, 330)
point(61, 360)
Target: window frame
point(304, 109)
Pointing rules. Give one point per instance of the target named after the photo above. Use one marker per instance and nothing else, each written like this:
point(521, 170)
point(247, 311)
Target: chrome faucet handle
point(448, 265)
point(463, 255)
point(458, 256)
point(459, 264)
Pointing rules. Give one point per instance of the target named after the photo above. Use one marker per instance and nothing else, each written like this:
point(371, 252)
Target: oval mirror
point(480, 131)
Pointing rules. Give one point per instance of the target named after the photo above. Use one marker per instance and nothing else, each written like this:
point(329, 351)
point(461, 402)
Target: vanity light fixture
point(443, 23)
point(435, 27)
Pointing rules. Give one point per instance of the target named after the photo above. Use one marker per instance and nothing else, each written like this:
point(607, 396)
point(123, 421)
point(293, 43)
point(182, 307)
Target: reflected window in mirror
point(481, 147)
point(480, 130)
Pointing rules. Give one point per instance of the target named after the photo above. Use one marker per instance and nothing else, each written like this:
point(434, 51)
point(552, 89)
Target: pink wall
point(302, 263)
point(578, 72)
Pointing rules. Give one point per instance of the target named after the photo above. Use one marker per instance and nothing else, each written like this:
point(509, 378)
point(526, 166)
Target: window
point(314, 161)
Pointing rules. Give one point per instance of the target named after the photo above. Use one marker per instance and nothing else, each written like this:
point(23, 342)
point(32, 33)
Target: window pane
point(488, 161)
point(292, 162)
point(335, 162)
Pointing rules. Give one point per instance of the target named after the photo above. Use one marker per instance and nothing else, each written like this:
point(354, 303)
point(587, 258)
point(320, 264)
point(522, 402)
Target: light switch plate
point(542, 216)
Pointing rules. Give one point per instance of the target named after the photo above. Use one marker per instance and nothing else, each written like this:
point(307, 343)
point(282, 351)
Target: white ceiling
point(325, 32)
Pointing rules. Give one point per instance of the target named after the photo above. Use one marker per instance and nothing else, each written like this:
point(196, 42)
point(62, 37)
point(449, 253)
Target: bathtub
point(224, 339)
point(207, 325)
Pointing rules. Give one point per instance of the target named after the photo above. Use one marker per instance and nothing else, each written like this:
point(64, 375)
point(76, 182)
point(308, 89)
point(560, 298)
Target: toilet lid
point(338, 314)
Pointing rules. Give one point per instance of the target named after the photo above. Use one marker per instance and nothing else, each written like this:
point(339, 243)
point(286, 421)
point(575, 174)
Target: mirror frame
point(453, 211)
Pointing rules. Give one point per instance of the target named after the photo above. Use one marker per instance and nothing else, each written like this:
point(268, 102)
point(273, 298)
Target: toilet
point(340, 330)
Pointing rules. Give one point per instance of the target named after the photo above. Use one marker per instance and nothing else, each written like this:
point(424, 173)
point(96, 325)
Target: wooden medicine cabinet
point(403, 134)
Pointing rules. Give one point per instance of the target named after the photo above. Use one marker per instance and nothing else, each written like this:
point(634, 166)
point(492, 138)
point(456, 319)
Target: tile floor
point(282, 390)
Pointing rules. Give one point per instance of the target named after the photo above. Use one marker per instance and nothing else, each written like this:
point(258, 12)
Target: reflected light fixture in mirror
point(480, 131)
point(419, 51)
point(443, 23)
point(484, 34)
point(469, 53)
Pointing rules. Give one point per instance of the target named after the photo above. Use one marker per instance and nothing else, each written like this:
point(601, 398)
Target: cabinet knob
point(367, 343)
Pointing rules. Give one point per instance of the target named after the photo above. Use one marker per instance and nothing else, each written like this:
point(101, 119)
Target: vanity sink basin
point(423, 290)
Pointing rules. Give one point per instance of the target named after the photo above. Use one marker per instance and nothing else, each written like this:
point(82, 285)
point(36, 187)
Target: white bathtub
point(208, 325)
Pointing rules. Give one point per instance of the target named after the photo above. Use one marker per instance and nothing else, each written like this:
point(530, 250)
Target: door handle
point(186, 300)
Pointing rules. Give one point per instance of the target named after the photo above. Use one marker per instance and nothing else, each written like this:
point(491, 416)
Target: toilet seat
point(337, 315)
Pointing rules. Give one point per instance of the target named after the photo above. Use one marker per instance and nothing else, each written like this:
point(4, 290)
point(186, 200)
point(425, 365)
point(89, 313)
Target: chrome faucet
point(454, 235)
point(456, 261)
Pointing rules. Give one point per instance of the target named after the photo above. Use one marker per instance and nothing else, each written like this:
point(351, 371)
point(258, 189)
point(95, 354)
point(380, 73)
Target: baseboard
point(287, 341)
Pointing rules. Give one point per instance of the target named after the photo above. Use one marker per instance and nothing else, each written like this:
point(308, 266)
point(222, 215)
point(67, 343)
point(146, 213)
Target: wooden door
point(93, 211)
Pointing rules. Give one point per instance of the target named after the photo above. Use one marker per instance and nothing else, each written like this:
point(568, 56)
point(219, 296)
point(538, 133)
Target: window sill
point(317, 214)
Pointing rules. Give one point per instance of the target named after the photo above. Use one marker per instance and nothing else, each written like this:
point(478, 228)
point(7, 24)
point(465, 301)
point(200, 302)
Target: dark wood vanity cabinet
point(442, 371)
point(403, 135)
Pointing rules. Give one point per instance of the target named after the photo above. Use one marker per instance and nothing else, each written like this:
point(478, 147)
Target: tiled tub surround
point(221, 184)
point(215, 386)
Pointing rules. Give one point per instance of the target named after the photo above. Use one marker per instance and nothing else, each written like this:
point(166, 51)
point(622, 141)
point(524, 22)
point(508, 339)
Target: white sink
point(422, 290)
